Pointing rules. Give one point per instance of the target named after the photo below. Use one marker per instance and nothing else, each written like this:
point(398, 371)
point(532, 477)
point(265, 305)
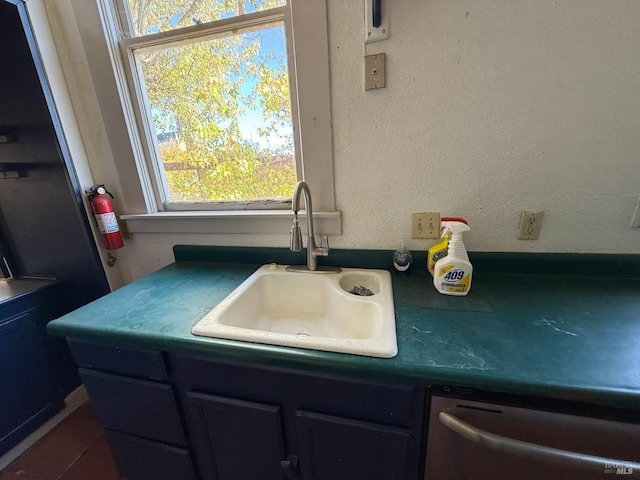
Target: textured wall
point(491, 107)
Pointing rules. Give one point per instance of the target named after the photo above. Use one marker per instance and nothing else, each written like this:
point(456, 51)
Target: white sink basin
point(309, 310)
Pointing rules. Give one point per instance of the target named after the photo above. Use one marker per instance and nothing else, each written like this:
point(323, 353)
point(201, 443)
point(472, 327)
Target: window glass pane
point(153, 16)
point(222, 116)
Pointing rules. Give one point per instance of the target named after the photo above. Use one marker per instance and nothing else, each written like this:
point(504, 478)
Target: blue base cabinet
point(136, 404)
point(30, 392)
point(249, 422)
point(171, 416)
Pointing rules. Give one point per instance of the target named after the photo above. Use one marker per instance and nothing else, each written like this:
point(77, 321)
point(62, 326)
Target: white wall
point(491, 107)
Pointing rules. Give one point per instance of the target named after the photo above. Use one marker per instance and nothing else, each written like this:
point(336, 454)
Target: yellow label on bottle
point(453, 279)
point(436, 252)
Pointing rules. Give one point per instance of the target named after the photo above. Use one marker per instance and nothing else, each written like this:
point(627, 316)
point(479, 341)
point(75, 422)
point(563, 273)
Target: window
point(229, 112)
point(213, 96)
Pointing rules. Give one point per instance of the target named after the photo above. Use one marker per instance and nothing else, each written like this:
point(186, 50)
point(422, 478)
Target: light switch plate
point(374, 71)
point(371, 33)
point(425, 225)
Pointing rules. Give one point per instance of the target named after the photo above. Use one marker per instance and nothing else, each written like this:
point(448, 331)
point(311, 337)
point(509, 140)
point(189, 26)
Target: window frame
point(307, 45)
point(129, 45)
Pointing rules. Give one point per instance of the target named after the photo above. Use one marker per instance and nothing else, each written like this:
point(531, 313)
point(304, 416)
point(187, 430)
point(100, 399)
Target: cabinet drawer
point(139, 407)
point(140, 459)
point(134, 362)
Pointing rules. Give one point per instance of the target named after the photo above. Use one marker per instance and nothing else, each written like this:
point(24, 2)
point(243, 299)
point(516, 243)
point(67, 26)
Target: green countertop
point(570, 336)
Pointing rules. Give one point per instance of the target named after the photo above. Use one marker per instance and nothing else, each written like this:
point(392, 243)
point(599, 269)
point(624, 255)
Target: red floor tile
point(95, 464)
point(74, 450)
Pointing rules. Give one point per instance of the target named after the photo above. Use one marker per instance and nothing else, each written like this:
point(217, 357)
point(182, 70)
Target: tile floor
point(74, 450)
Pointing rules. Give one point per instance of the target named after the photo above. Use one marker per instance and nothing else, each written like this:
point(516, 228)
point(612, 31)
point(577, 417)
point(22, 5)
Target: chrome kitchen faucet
point(295, 244)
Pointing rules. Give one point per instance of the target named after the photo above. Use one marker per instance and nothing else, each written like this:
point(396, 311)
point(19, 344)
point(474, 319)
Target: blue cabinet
point(172, 416)
point(29, 390)
point(136, 404)
point(245, 419)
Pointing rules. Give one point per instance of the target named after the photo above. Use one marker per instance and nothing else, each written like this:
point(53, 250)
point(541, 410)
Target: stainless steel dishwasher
point(480, 440)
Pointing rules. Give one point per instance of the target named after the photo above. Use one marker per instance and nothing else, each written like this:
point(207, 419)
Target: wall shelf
point(16, 169)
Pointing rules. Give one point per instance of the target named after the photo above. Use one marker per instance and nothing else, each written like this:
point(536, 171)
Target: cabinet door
point(338, 448)
point(28, 395)
point(238, 440)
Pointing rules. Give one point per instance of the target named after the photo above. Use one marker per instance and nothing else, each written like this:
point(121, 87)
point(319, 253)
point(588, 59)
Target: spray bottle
point(437, 251)
point(452, 273)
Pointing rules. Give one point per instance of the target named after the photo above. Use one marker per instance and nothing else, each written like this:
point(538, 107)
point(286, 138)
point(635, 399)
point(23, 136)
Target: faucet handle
point(324, 244)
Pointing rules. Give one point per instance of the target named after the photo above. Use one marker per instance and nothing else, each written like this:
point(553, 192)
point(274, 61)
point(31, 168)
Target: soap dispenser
point(402, 259)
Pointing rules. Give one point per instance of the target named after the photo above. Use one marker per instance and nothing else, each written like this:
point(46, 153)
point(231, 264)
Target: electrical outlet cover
point(374, 71)
point(530, 224)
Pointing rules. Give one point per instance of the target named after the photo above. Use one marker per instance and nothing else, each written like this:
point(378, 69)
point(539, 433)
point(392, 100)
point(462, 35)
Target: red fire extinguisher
point(105, 217)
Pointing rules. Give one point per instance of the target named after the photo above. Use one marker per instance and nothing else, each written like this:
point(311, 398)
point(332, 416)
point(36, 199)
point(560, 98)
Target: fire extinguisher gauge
point(98, 190)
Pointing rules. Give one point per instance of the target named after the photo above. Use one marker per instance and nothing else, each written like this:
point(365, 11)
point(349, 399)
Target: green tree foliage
point(199, 89)
point(237, 173)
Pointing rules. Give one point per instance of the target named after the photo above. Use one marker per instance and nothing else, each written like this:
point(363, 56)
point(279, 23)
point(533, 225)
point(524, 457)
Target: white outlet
point(530, 224)
point(425, 225)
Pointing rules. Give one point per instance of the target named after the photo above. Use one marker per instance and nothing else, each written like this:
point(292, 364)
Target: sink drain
point(361, 291)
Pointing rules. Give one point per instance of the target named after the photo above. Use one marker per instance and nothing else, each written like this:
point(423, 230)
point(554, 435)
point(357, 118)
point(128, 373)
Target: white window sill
point(240, 221)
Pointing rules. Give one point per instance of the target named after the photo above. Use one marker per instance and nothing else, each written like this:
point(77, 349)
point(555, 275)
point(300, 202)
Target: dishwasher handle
point(529, 450)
